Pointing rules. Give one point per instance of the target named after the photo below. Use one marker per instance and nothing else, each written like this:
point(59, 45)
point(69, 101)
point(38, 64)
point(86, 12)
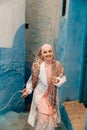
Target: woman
point(46, 76)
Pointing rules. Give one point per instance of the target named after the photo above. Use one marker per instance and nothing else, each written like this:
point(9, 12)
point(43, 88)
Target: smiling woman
point(46, 76)
point(47, 53)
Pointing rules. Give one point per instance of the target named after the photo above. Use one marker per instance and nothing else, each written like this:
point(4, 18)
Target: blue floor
point(18, 121)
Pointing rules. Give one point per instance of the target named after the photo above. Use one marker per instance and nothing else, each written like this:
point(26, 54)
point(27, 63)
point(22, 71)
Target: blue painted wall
point(12, 70)
point(73, 48)
point(12, 55)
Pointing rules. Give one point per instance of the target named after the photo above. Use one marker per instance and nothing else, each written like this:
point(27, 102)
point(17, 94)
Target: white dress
point(41, 116)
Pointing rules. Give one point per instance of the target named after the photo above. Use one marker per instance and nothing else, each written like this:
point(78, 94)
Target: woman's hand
point(24, 93)
point(54, 79)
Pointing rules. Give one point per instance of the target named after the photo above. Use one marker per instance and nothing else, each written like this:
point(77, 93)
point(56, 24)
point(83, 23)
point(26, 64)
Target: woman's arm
point(58, 81)
point(28, 90)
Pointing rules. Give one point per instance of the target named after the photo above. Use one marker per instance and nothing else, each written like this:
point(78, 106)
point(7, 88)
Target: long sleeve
point(61, 81)
point(29, 88)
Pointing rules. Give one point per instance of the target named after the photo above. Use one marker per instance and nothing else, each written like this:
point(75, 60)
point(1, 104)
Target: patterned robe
point(38, 82)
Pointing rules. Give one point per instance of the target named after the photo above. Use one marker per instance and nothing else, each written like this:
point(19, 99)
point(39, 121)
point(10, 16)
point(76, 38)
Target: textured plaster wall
point(43, 18)
point(8, 16)
point(74, 49)
point(12, 56)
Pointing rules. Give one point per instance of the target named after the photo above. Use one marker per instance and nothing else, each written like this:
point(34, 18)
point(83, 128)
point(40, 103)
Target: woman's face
point(47, 53)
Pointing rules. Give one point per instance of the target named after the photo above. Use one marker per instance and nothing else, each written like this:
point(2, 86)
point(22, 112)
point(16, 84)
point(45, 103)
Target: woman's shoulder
point(36, 64)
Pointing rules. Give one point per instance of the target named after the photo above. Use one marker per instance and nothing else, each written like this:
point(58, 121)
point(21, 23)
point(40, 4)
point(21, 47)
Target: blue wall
point(73, 49)
point(12, 68)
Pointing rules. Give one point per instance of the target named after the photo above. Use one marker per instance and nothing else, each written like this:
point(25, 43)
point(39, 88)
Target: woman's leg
point(44, 117)
point(42, 121)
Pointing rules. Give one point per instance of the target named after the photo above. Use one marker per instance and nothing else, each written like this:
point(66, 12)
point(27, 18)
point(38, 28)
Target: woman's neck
point(48, 62)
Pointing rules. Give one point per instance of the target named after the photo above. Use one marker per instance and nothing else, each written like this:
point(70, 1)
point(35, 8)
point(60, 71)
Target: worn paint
point(12, 55)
